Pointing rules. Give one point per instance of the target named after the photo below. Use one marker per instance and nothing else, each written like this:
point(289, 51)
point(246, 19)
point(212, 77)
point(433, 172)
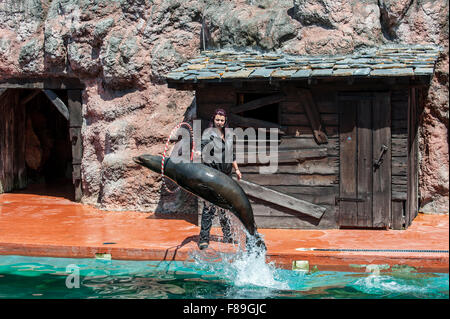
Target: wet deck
point(40, 225)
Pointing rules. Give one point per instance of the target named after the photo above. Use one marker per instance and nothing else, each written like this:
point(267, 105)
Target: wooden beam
point(251, 122)
point(42, 83)
point(62, 108)
point(2, 91)
point(412, 205)
point(74, 103)
point(30, 96)
point(271, 99)
point(281, 199)
point(289, 156)
point(313, 116)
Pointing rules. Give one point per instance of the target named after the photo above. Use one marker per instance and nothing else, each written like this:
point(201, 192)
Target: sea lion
point(209, 184)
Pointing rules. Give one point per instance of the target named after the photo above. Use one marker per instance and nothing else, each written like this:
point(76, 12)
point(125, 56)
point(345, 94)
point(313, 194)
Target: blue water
point(204, 276)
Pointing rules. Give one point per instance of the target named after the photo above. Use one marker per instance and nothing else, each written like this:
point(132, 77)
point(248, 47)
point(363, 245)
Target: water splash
point(399, 284)
point(245, 267)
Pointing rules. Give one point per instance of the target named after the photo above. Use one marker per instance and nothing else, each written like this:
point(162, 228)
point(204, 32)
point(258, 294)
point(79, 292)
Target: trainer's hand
point(238, 174)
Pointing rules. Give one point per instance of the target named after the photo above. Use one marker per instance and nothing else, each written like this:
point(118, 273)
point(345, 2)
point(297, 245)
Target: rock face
point(121, 50)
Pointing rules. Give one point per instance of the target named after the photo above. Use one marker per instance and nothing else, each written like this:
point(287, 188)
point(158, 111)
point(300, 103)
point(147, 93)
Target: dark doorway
point(48, 153)
point(38, 144)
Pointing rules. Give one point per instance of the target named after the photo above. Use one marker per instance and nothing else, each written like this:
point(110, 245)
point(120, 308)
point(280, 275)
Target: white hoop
point(165, 151)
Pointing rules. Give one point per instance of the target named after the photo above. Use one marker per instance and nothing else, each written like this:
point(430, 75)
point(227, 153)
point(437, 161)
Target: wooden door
point(365, 160)
point(12, 142)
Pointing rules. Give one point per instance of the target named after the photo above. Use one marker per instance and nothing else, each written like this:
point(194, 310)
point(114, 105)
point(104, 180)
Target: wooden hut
point(40, 133)
point(347, 147)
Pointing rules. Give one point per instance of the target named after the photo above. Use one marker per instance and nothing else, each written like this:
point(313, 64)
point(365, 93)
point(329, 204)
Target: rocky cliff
point(121, 50)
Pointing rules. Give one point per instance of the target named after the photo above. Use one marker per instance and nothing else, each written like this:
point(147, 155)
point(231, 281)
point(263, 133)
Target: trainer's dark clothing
point(209, 210)
point(219, 162)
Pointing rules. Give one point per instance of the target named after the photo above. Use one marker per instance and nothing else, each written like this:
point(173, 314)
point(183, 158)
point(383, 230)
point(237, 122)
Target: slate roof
point(386, 61)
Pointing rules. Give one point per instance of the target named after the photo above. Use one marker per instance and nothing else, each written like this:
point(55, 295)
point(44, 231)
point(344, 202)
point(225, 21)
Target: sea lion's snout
point(152, 162)
point(137, 159)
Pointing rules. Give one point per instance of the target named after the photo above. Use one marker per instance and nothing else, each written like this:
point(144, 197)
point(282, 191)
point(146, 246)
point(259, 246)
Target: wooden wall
point(399, 135)
point(308, 170)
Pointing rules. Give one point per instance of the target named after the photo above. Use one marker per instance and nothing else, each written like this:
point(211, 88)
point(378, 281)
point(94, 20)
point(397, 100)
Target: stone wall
point(121, 49)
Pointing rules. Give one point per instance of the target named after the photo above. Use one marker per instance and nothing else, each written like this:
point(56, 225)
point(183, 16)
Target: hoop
point(165, 151)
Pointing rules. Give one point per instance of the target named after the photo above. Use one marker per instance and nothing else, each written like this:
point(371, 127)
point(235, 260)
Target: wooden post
point(313, 116)
point(2, 91)
point(30, 96)
point(20, 173)
point(266, 100)
point(412, 186)
point(62, 108)
point(75, 124)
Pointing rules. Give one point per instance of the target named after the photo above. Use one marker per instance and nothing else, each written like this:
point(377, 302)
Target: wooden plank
point(7, 148)
point(313, 116)
point(2, 91)
point(412, 183)
point(400, 111)
point(60, 106)
point(399, 189)
point(76, 179)
point(290, 223)
point(30, 96)
point(348, 163)
point(291, 107)
point(268, 209)
point(399, 124)
point(299, 130)
point(399, 95)
point(74, 104)
point(399, 180)
point(255, 104)
point(364, 163)
point(238, 120)
point(323, 166)
point(399, 147)
point(211, 95)
point(399, 166)
point(76, 141)
point(327, 107)
point(301, 119)
point(51, 83)
point(302, 142)
point(398, 219)
point(297, 143)
point(320, 195)
point(281, 199)
point(20, 174)
point(398, 195)
point(307, 190)
point(290, 156)
point(268, 215)
point(382, 175)
point(3, 151)
point(292, 179)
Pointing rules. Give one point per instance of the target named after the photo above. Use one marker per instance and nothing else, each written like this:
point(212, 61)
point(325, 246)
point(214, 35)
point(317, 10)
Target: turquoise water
point(203, 277)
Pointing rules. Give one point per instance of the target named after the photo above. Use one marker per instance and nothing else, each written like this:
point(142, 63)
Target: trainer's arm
point(236, 169)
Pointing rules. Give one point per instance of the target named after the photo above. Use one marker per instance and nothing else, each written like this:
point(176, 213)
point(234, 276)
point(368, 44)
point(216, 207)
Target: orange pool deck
point(53, 226)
